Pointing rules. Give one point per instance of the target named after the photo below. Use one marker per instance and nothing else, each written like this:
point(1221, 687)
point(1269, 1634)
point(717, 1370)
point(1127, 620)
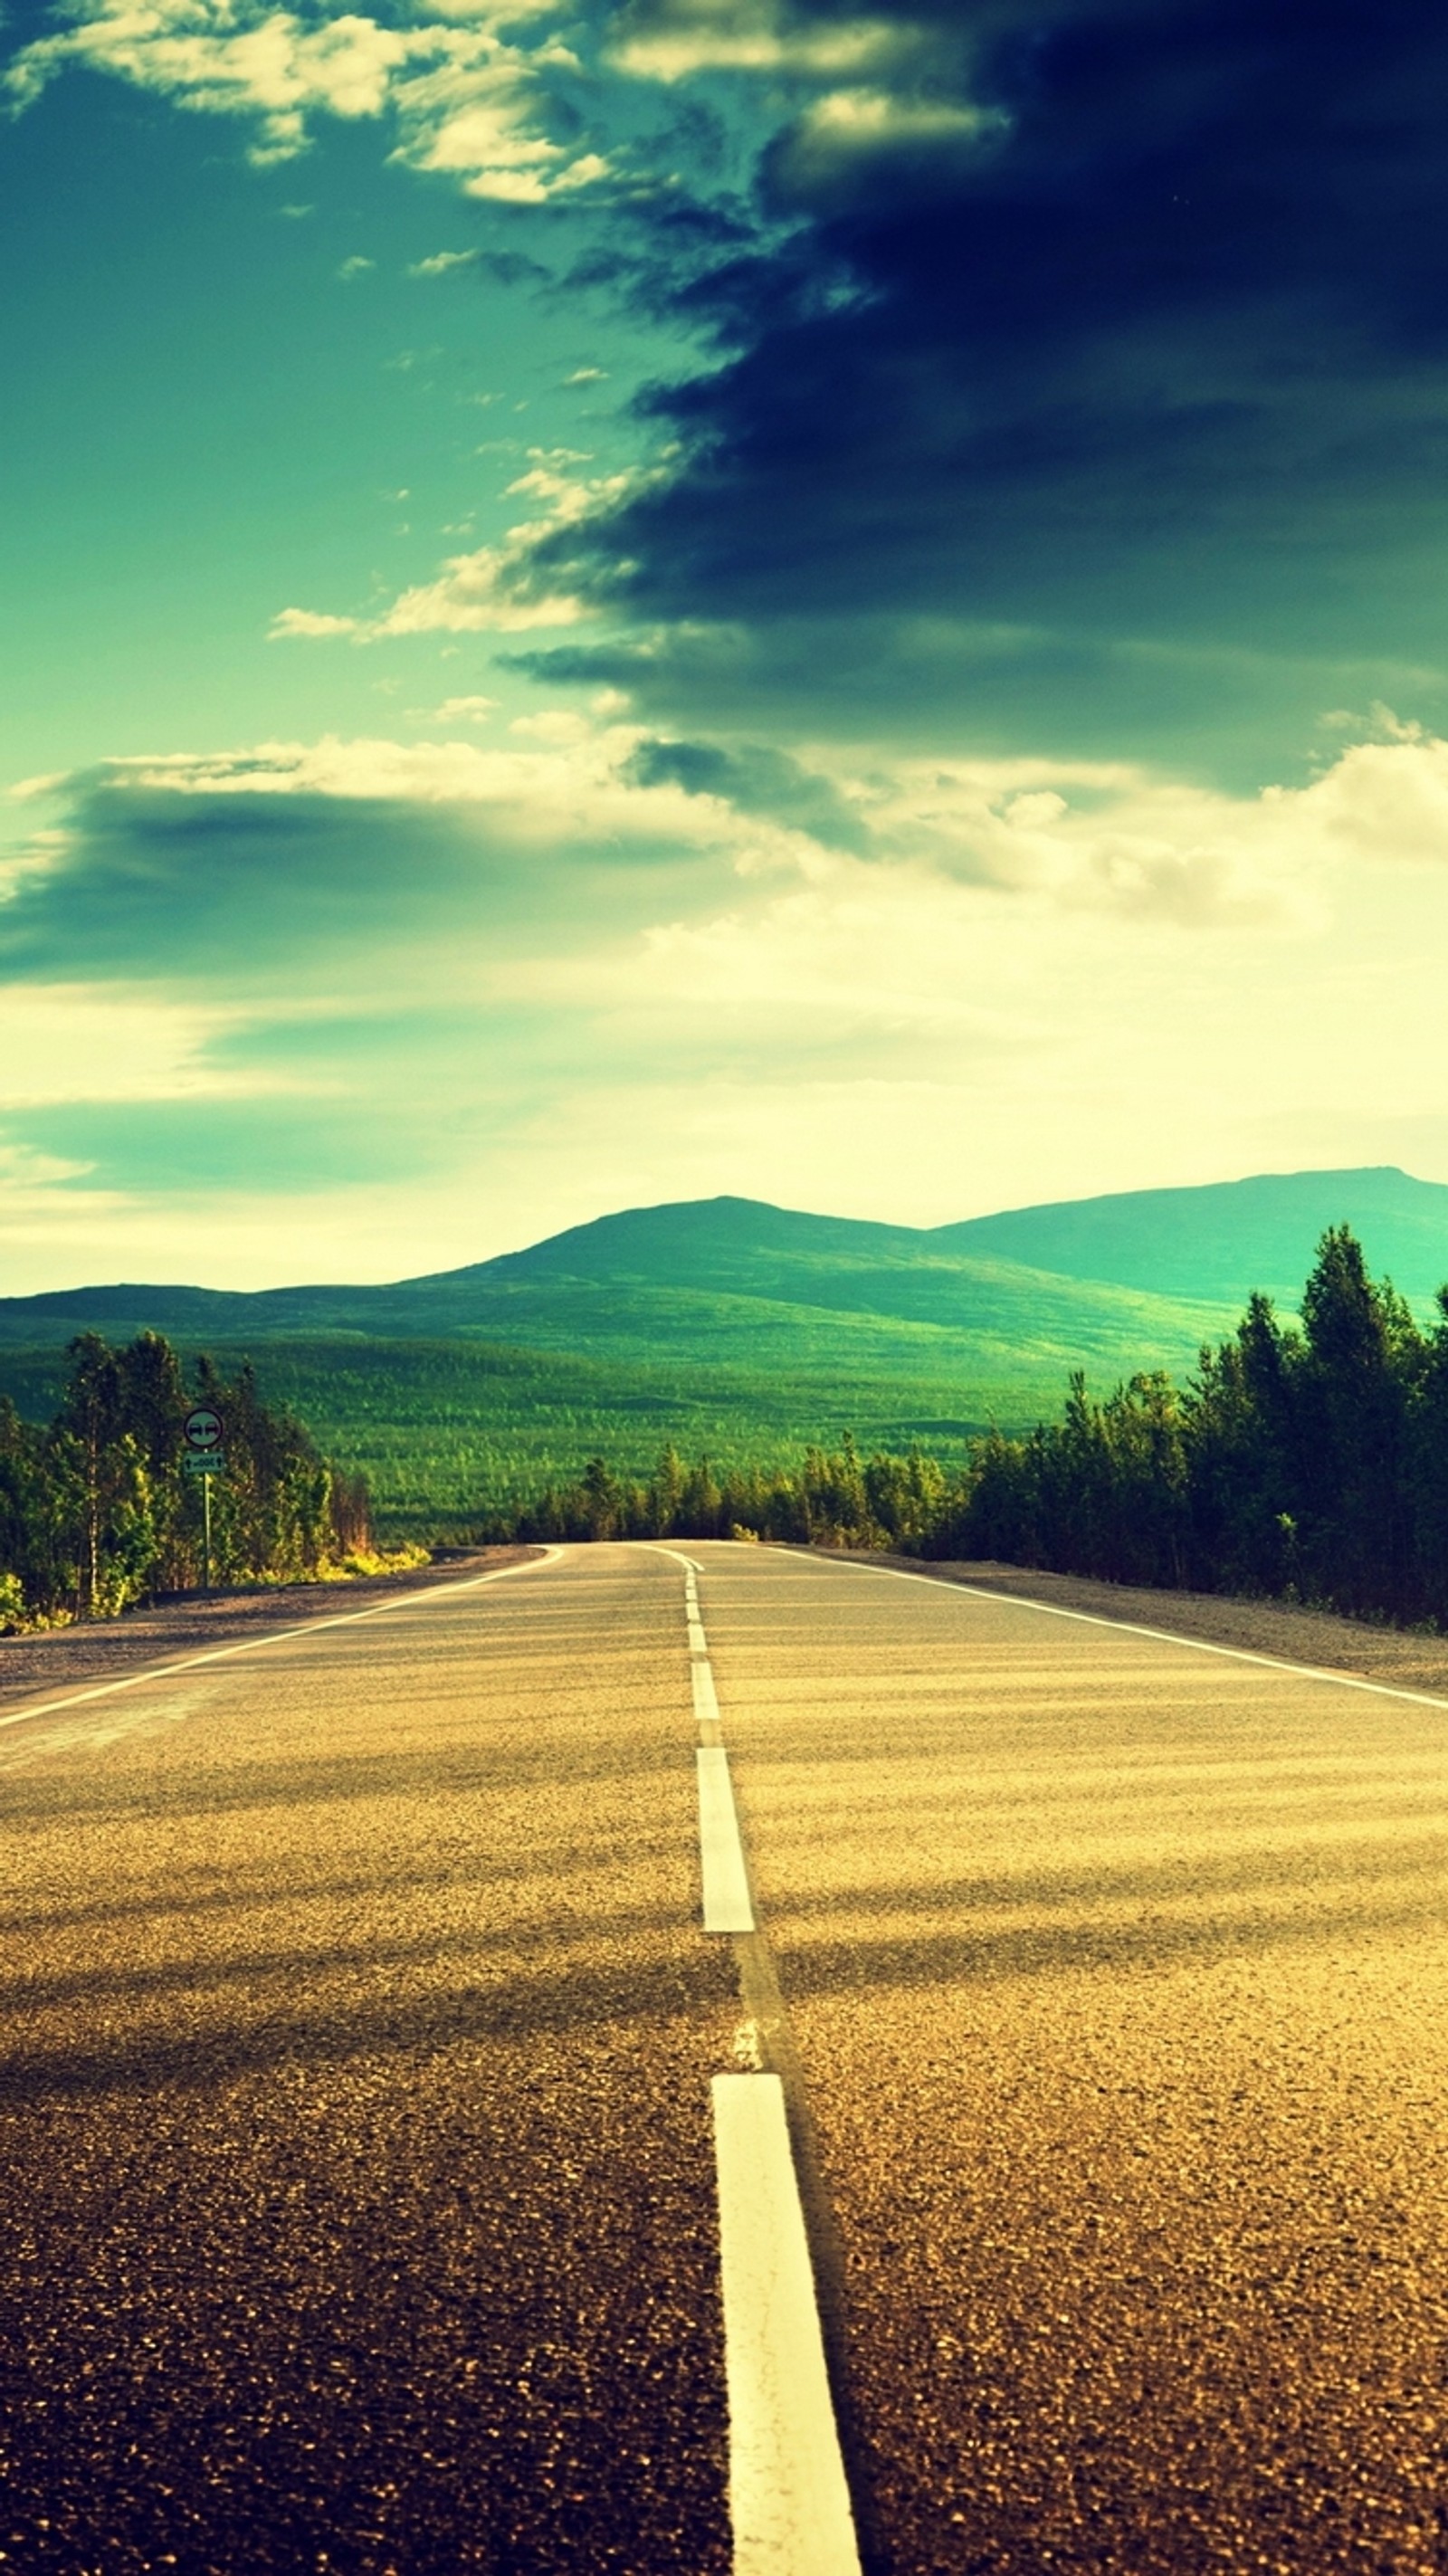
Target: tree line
point(832, 1499)
point(97, 1509)
point(1303, 1460)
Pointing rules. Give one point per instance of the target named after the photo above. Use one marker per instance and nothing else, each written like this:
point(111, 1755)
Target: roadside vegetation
point(1301, 1460)
point(97, 1510)
point(1306, 1462)
point(742, 1332)
point(443, 1429)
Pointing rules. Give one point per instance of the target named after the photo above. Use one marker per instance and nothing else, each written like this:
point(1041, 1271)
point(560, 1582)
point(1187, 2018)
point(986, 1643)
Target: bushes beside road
point(97, 1509)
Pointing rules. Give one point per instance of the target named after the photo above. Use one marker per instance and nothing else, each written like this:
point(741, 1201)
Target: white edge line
point(274, 1637)
point(1135, 1628)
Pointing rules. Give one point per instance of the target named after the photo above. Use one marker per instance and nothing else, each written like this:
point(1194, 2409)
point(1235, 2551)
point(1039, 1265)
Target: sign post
point(201, 1432)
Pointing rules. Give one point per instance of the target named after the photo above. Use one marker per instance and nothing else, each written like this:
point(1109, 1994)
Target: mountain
point(1209, 1246)
point(747, 1330)
point(1229, 1237)
point(702, 1272)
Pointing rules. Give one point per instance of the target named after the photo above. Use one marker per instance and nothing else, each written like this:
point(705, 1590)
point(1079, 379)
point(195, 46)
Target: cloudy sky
point(617, 603)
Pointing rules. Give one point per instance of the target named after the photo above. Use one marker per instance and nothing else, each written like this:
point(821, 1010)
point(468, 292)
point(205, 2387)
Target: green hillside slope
point(1211, 1246)
point(731, 1325)
point(748, 1271)
point(1230, 1237)
point(447, 1426)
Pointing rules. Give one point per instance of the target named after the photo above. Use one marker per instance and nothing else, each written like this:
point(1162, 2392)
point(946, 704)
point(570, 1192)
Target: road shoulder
point(1409, 1659)
point(105, 1650)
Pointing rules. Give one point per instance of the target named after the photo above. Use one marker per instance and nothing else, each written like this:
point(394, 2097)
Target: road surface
point(375, 2088)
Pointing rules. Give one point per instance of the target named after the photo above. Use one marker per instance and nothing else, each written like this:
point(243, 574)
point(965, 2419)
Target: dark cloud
point(754, 780)
point(155, 882)
point(1143, 339)
point(1233, 715)
point(512, 268)
point(255, 887)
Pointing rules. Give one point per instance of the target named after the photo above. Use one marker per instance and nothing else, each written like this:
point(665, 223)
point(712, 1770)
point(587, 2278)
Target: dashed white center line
point(788, 2500)
point(706, 1698)
point(727, 1906)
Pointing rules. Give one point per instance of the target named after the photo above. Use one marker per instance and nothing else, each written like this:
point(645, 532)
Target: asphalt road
point(359, 2202)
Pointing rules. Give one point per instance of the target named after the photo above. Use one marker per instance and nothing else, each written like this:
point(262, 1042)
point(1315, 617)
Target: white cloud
point(461, 98)
point(83, 1042)
point(888, 84)
point(290, 622)
point(1383, 800)
point(847, 123)
point(43, 784)
point(441, 262)
point(555, 786)
point(1105, 837)
point(491, 589)
point(673, 43)
point(471, 595)
point(267, 64)
point(1077, 837)
point(466, 95)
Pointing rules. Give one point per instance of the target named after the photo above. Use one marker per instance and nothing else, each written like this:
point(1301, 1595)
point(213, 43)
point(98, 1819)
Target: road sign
point(209, 1462)
point(201, 1429)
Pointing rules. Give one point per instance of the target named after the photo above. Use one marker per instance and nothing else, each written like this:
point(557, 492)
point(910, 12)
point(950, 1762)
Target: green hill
point(1210, 1246)
point(720, 1279)
point(445, 1426)
point(1230, 1237)
point(746, 1329)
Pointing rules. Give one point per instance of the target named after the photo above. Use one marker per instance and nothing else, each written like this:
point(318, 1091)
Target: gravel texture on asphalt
point(358, 2212)
point(1115, 1972)
point(358, 2204)
point(102, 1650)
point(1409, 1658)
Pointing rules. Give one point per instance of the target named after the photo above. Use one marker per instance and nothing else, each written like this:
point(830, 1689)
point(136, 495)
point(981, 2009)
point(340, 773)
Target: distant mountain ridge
point(1204, 1247)
point(745, 1330)
point(1225, 1238)
point(1218, 1240)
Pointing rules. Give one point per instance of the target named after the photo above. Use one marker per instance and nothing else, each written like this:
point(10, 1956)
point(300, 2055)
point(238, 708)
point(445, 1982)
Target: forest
point(97, 1510)
point(1302, 1460)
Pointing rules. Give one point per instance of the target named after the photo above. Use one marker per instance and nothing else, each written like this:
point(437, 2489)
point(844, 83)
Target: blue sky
point(839, 604)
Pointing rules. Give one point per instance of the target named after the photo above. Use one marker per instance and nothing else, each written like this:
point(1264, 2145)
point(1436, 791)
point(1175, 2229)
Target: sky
point(619, 603)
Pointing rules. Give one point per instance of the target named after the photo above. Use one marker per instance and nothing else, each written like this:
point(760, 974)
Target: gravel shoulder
point(108, 1649)
point(1410, 1658)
